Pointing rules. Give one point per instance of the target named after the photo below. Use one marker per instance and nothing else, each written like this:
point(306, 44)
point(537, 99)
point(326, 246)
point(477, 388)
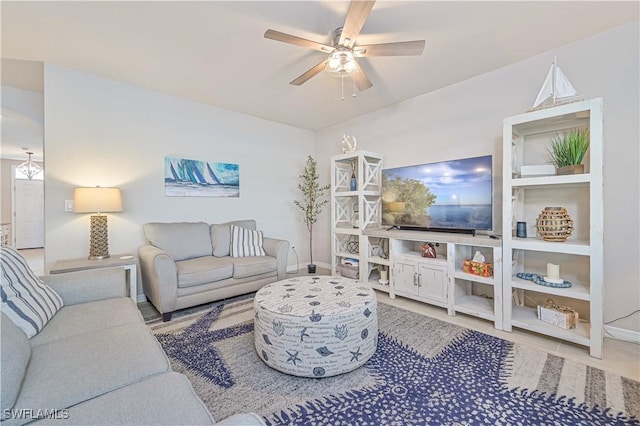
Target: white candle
point(553, 271)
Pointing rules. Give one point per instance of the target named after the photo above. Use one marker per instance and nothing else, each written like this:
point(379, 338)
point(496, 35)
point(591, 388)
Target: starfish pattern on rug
point(194, 347)
point(460, 385)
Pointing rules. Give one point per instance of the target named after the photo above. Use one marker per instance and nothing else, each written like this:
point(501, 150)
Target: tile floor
point(35, 259)
point(618, 356)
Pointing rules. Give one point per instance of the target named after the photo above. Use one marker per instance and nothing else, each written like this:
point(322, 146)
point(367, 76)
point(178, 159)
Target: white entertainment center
point(391, 260)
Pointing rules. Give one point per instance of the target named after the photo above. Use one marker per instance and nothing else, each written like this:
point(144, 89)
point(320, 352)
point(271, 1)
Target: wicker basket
point(554, 224)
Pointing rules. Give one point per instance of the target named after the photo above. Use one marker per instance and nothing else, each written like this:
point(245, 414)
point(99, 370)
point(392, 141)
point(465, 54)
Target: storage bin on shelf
point(560, 316)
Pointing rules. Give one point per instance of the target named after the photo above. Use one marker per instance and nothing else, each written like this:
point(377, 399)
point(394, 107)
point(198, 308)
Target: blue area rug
point(424, 371)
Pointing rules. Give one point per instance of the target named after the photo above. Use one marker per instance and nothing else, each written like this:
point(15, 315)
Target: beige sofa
point(95, 362)
point(186, 264)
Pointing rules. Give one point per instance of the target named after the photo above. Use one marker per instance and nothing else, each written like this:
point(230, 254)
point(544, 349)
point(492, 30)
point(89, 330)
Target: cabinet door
point(405, 278)
point(432, 282)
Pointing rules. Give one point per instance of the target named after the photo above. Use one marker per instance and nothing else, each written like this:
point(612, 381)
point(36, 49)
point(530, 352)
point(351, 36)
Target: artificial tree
point(312, 202)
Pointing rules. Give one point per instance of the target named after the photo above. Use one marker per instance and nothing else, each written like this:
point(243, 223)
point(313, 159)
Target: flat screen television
point(449, 196)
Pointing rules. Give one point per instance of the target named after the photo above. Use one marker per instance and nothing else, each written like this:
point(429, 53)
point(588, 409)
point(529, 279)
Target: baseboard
point(323, 265)
point(141, 298)
point(622, 334)
point(293, 268)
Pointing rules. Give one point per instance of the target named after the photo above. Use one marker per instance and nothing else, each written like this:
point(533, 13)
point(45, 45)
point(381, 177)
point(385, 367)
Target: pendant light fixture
point(29, 168)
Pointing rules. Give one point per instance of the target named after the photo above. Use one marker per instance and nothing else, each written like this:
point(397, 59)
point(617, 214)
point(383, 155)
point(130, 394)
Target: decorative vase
point(554, 224)
point(354, 183)
point(576, 169)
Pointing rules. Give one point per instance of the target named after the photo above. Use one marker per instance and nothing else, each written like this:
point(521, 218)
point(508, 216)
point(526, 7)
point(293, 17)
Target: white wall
point(21, 126)
point(465, 120)
point(102, 132)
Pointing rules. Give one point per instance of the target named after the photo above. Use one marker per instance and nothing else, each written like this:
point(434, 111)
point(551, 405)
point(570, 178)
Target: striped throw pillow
point(246, 242)
point(26, 300)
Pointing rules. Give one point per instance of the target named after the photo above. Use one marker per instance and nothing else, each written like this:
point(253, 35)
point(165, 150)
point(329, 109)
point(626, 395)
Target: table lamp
point(97, 200)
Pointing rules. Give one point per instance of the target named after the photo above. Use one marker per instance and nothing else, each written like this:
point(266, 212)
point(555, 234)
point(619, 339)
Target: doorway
point(28, 211)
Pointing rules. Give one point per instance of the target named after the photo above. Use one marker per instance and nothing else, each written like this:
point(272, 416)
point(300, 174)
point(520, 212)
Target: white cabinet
point(442, 281)
point(355, 207)
point(420, 278)
point(526, 139)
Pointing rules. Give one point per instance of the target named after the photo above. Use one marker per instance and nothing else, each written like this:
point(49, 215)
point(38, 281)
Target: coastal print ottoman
point(317, 326)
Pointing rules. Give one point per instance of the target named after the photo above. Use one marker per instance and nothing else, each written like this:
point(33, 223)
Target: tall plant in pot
point(567, 151)
point(312, 202)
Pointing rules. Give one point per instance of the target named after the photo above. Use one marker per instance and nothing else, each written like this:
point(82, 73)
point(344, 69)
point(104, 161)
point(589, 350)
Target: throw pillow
point(246, 242)
point(26, 300)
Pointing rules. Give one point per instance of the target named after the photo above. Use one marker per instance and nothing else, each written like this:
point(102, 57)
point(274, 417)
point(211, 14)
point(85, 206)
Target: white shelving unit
point(441, 281)
point(353, 211)
point(526, 138)
point(356, 234)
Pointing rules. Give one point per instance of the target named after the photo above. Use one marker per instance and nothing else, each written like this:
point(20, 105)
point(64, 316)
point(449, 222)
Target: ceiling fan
point(343, 52)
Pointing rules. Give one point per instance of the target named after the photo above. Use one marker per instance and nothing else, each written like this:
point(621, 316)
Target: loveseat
point(186, 264)
point(94, 361)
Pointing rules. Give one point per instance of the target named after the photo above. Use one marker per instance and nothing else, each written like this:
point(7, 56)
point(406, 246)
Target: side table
point(128, 262)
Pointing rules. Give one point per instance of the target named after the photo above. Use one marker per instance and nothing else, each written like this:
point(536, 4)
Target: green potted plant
point(567, 151)
point(312, 202)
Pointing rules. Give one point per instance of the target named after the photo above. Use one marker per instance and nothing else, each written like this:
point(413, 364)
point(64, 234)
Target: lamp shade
point(97, 200)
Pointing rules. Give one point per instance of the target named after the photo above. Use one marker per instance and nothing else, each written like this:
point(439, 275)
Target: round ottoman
point(315, 327)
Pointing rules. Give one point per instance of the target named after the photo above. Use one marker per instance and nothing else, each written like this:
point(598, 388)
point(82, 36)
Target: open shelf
point(476, 278)
point(541, 181)
point(475, 305)
point(525, 317)
point(379, 260)
point(377, 286)
point(578, 290)
point(347, 254)
point(579, 247)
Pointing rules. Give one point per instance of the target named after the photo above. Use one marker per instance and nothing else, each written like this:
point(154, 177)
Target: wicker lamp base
point(99, 241)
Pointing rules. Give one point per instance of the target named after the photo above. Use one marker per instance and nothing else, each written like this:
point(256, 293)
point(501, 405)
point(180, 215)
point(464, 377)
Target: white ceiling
point(215, 52)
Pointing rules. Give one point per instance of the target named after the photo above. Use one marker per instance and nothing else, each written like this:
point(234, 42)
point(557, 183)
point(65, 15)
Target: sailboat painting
point(193, 178)
point(555, 90)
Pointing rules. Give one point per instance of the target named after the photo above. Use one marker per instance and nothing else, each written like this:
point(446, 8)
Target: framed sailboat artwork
point(195, 178)
point(555, 90)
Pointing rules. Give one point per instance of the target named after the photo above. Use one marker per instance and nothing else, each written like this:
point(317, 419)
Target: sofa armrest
point(89, 285)
point(159, 278)
point(280, 250)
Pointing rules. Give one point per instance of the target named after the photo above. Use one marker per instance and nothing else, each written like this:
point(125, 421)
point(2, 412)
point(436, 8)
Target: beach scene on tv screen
point(448, 194)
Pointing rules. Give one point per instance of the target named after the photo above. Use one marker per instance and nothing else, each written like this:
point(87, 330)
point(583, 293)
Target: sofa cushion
point(69, 371)
point(88, 317)
point(221, 235)
point(182, 240)
point(254, 265)
point(165, 399)
point(203, 270)
point(246, 242)
point(15, 354)
point(26, 300)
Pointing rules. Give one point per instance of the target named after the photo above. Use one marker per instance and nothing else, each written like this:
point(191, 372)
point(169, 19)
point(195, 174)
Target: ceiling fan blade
point(362, 81)
point(308, 74)
point(401, 48)
point(298, 41)
point(356, 17)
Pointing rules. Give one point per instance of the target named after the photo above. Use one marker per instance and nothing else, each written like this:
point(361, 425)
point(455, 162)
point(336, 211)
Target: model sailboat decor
point(556, 89)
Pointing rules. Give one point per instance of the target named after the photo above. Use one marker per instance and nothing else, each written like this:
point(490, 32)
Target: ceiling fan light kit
point(342, 60)
point(341, 63)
